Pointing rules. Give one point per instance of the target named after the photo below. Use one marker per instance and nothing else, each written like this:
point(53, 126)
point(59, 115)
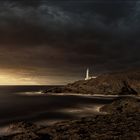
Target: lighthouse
point(87, 74)
point(89, 77)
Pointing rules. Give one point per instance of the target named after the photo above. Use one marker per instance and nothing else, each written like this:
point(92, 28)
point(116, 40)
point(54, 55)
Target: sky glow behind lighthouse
point(53, 42)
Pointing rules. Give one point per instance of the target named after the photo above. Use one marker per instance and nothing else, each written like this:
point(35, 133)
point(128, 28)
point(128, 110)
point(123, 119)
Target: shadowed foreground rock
point(105, 127)
point(120, 126)
point(117, 125)
point(25, 131)
point(127, 90)
point(123, 105)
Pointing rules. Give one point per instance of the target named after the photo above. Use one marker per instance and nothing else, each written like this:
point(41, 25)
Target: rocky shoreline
point(121, 121)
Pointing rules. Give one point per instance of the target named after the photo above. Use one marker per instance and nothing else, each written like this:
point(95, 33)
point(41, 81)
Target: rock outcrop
point(123, 105)
point(127, 90)
point(101, 127)
point(25, 131)
point(123, 83)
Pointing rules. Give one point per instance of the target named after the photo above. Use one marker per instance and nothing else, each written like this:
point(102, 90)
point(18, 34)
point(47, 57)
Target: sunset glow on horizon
point(13, 79)
point(21, 77)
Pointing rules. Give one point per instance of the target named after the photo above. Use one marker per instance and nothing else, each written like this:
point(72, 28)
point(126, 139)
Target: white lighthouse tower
point(89, 77)
point(87, 74)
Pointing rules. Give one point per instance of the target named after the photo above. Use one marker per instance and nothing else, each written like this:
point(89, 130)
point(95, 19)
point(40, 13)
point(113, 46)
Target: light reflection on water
point(25, 104)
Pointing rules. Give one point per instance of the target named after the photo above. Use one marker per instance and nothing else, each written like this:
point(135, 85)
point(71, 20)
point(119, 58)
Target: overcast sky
point(54, 41)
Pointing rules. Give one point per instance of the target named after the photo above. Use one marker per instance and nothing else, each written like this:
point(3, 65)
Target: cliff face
point(113, 83)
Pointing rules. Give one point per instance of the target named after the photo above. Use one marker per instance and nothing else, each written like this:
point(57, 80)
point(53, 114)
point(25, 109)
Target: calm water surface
point(25, 103)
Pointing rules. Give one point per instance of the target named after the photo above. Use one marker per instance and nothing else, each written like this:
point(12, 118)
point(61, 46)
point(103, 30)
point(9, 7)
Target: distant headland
point(117, 83)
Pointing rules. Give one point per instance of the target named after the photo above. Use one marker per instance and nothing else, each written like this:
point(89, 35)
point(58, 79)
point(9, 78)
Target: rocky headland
point(118, 83)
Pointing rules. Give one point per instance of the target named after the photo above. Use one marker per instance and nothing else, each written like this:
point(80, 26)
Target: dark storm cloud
point(67, 34)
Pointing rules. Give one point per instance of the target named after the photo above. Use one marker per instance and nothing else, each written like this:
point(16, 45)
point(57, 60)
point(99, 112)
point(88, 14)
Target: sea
point(29, 103)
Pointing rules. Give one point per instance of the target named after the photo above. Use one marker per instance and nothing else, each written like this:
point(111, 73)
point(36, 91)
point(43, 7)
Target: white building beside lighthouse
point(88, 77)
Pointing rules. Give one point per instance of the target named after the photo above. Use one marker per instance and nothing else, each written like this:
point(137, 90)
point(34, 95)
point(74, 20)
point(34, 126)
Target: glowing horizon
point(21, 77)
point(10, 79)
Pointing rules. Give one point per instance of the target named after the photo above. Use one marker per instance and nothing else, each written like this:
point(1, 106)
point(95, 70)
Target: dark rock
point(122, 105)
point(127, 90)
point(104, 127)
point(25, 131)
point(119, 126)
point(110, 83)
point(54, 90)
